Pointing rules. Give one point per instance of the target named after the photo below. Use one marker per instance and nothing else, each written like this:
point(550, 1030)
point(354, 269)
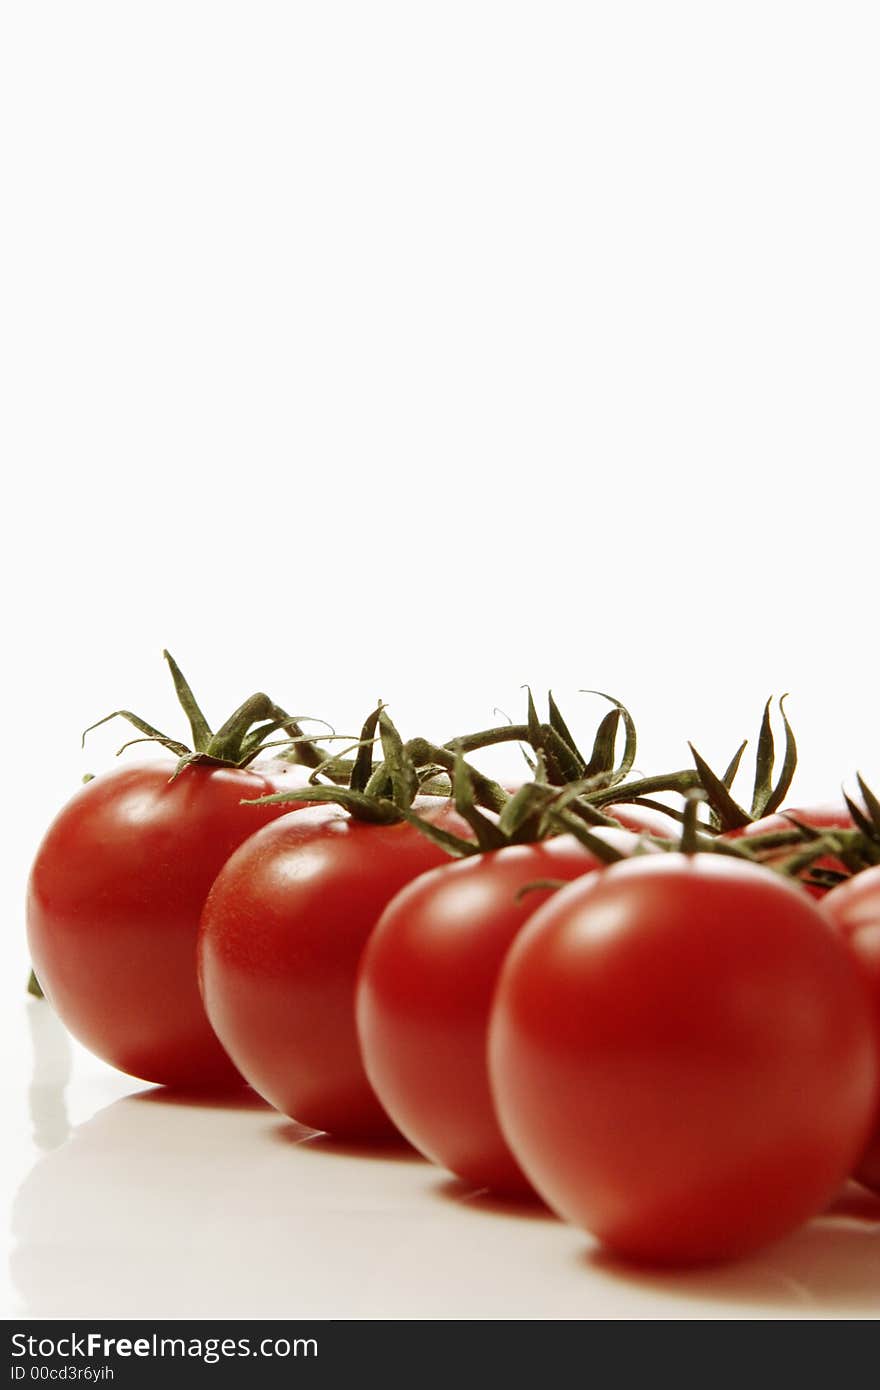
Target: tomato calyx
point(596, 782)
point(593, 782)
point(564, 763)
point(385, 793)
point(236, 743)
point(536, 811)
point(809, 844)
point(868, 819)
point(855, 849)
point(569, 791)
point(767, 796)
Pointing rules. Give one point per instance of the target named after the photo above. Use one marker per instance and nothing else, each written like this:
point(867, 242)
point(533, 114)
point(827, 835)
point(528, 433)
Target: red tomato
point(682, 1057)
point(853, 908)
point(830, 817)
point(282, 934)
point(643, 821)
point(424, 991)
point(114, 900)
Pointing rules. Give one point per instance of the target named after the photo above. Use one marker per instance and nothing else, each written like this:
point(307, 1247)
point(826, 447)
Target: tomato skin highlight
point(682, 1057)
point(281, 938)
point(853, 908)
point(113, 907)
point(424, 991)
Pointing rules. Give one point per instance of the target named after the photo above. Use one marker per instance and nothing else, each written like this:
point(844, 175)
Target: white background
point(420, 351)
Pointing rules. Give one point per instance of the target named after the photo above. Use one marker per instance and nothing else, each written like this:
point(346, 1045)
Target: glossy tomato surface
point(853, 908)
point(682, 1057)
point(282, 934)
point(424, 990)
point(114, 901)
point(825, 817)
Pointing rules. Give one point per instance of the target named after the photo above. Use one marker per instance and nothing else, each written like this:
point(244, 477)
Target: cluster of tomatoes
point(664, 1022)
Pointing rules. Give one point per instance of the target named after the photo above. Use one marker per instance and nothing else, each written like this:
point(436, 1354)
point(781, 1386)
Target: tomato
point(114, 901)
point(853, 908)
point(682, 1057)
point(826, 817)
point(424, 990)
point(282, 933)
point(642, 820)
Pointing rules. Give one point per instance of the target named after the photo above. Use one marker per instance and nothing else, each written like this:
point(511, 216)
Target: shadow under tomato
point(384, 1150)
point(831, 1262)
point(239, 1098)
point(480, 1199)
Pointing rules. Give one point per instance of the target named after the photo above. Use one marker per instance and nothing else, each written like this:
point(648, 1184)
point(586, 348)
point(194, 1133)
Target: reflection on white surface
point(52, 1068)
point(163, 1206)
point(152, 1206)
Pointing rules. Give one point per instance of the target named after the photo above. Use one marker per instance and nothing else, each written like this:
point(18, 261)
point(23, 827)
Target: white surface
point(130, 1203)
point(423, 350)
point(419, 351)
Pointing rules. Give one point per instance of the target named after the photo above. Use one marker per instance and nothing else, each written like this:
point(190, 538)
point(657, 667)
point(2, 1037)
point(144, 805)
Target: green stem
point(486, 738)
point(603, 851)
point(486, 792)
point(670, 782)
point(690, 830)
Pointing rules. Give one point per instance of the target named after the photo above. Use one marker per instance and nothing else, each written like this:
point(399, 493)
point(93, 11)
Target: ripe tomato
point(113, 908)
point(830, 817)
point(282, 933)
point(682, 1057)
point(424, 990)
point(642, 820)
point(853, 908)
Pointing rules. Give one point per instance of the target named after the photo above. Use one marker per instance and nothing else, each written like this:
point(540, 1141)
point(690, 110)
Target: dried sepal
point(363, 763)
point(789, 763)
point(235, 744)
point(730, 815)
point(628, 758)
